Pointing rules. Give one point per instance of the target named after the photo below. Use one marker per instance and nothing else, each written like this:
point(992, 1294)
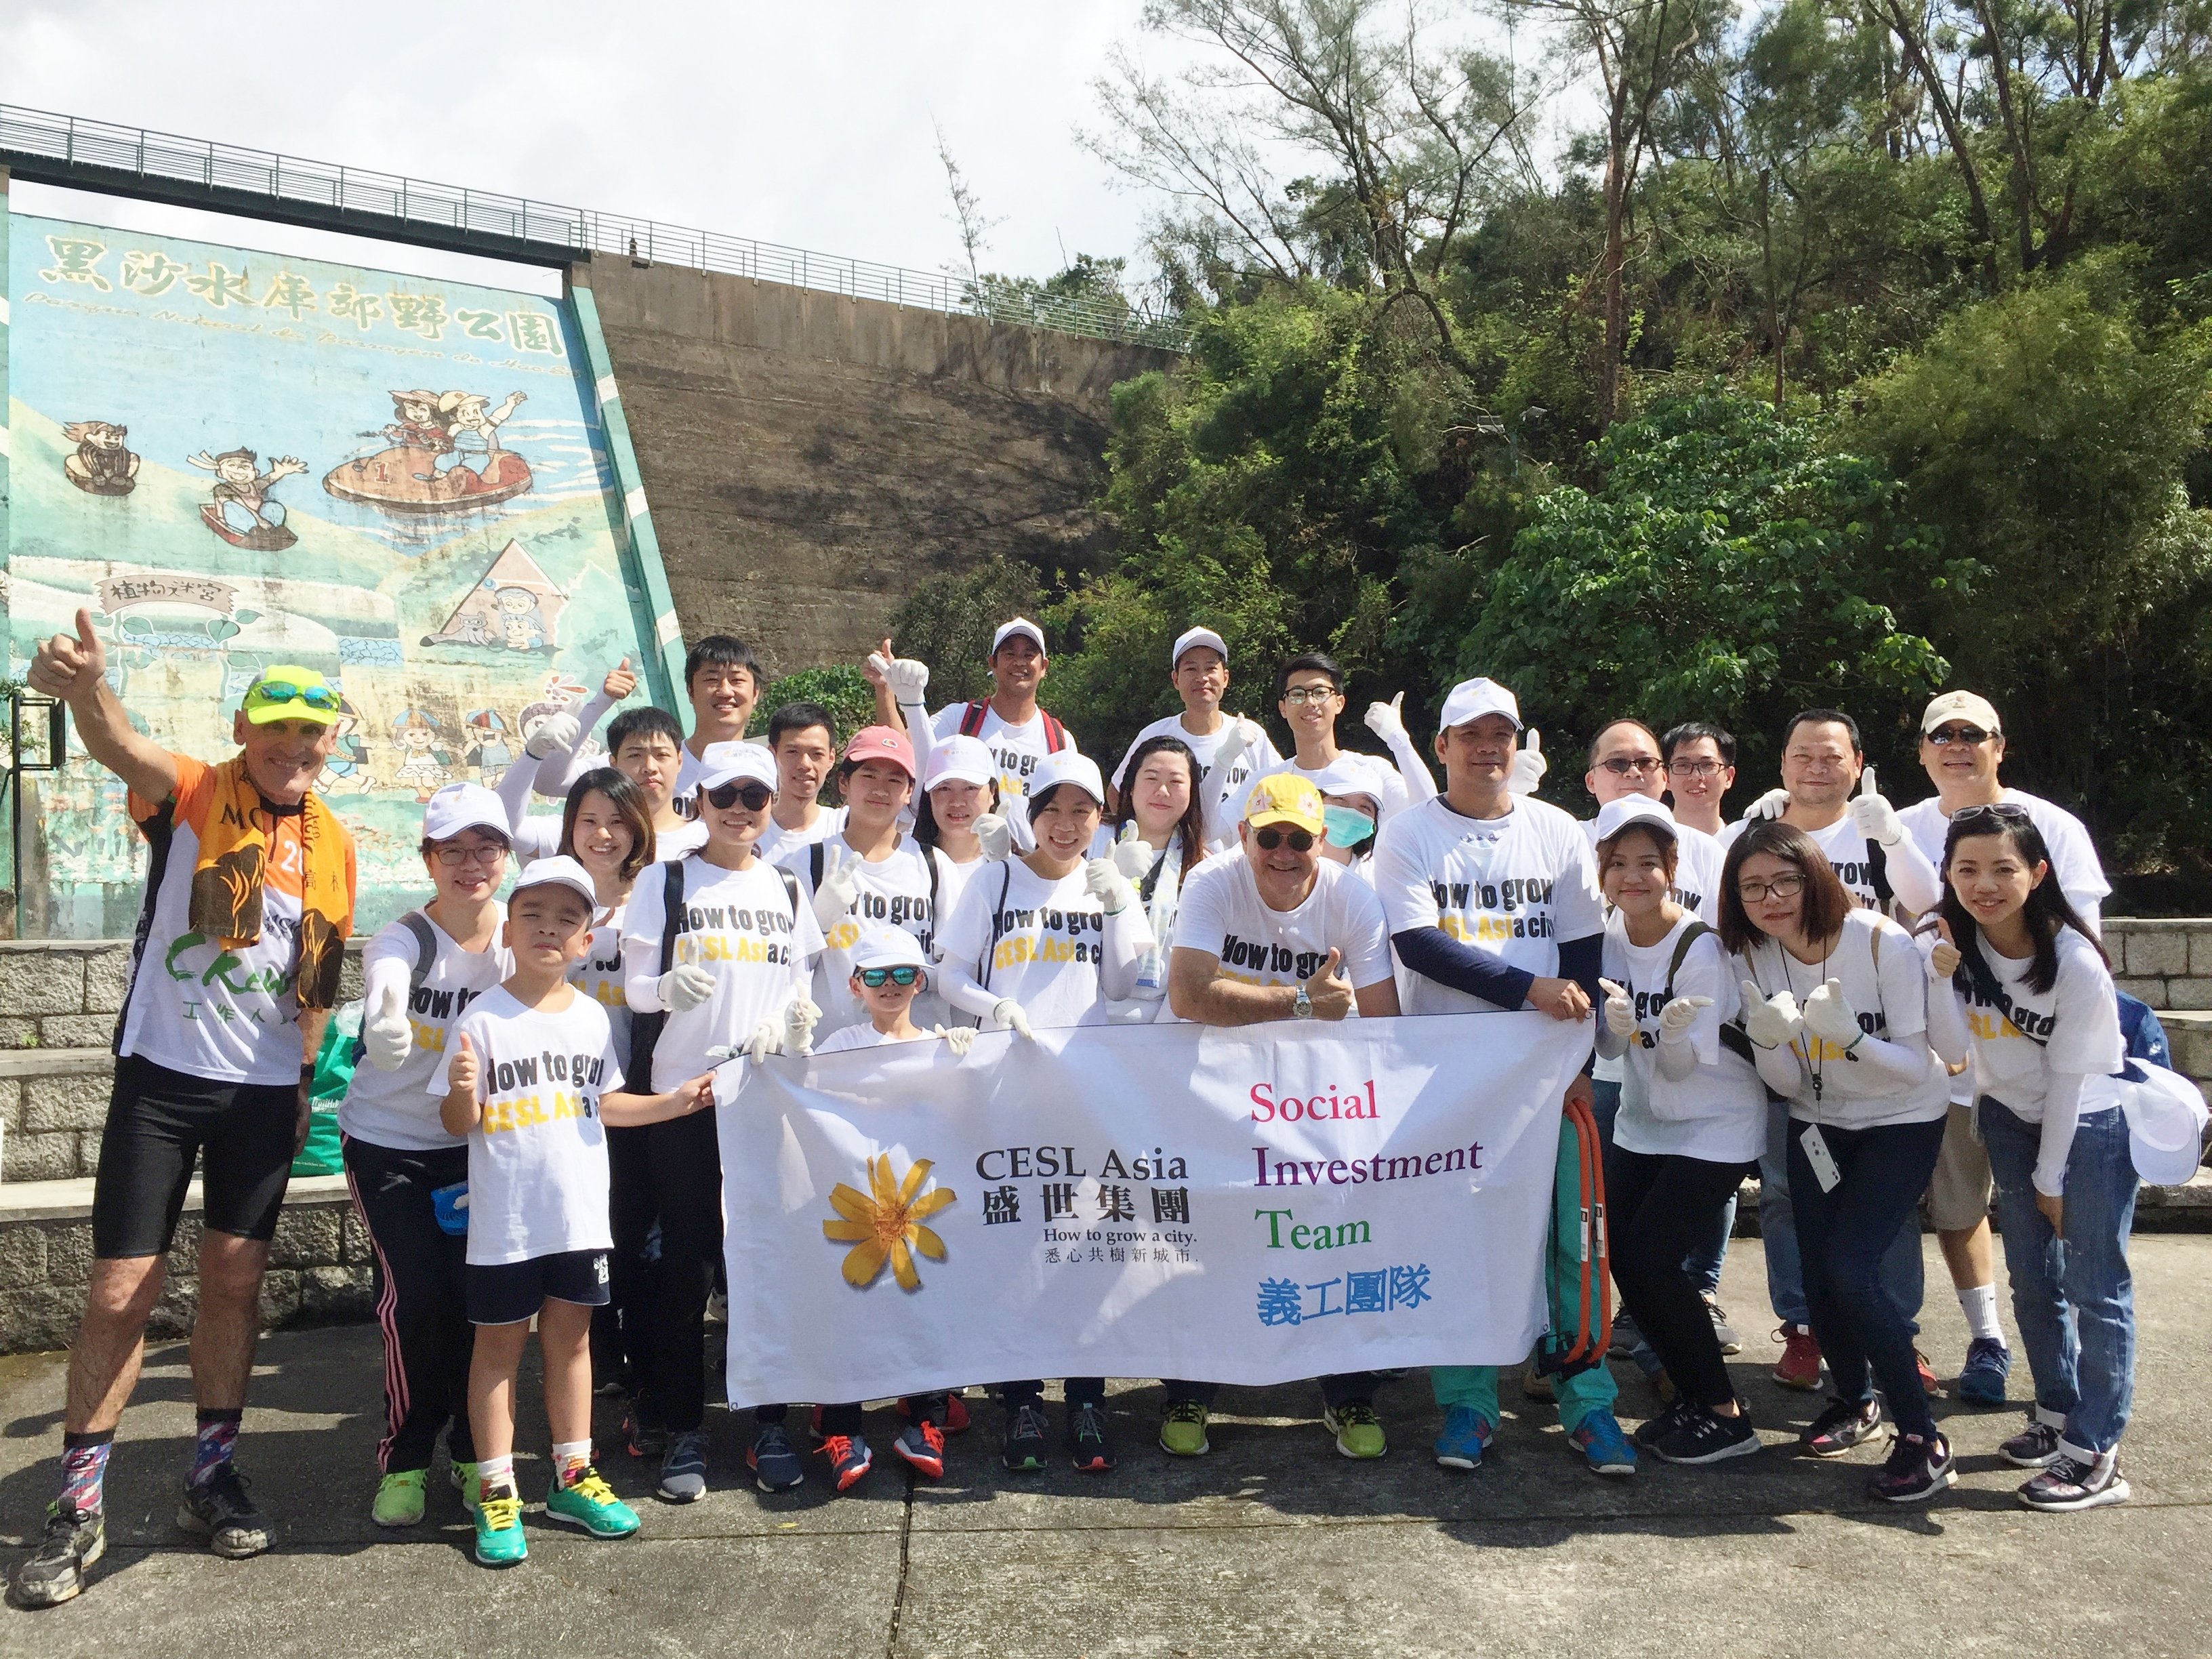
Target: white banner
point(1248, 1206)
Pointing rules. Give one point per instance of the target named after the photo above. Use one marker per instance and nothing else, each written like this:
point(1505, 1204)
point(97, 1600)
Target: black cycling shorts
point(508, 1292)
point(159, 1123)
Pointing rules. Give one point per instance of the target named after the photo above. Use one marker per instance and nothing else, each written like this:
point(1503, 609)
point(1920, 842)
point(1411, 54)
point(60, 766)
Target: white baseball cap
point(1470, 700)
point(1068, 766)
point(1961, 706)
point(1019, 625)
point(960, 760)
point(558, 870)
point(1343, 780)
point(885, 946)
point(1192, 637)
point(1616, 816)
point(728, 762)
point(459, 806)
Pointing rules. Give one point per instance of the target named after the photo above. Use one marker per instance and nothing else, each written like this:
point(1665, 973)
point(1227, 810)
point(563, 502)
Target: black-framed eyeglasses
point(1299, 695)
point(1943, 736)
point(874, 978)
point(749, 792)
point(1267, 840)
point(1786, 886)
point(1693, 768)
point(1625, 766)
point(454, 857)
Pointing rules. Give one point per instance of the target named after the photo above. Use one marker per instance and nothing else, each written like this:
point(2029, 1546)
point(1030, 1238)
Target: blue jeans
point(1703, 1263)
point(1902, 1270)
point(1844, 1235)
point(2074, 1299)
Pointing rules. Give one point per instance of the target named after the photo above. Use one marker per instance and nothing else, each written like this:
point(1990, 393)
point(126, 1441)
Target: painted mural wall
point(235, 459)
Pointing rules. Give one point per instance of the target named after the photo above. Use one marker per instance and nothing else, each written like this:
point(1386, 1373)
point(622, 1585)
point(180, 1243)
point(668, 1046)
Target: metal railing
point(501, 219)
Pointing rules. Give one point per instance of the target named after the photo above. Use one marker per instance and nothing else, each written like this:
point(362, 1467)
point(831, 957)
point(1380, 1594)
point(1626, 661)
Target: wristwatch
point(1302, 1005)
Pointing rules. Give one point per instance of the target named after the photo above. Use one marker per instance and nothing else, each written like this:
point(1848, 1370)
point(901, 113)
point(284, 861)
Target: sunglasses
point(1268, 840)
point(323, 697)
point(1627, 766)
point(2002, 811)
point(752, 795)
point(874, 978)
point(1944, 736)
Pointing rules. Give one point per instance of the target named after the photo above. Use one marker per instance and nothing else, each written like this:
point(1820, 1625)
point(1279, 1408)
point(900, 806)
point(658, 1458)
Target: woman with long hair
point(1158, 804)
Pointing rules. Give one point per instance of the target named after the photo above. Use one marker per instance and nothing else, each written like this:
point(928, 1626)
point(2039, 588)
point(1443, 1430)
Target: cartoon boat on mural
point(445, 457)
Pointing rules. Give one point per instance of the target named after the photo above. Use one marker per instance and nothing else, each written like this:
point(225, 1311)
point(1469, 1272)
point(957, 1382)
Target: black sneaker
point(220, 1510)
point(1841, 1427)
point(2069, 1484)
point(1706, 1436)
point(1916, 1470)
point(1025, 1437)
point(1653, 1430)
point(2035, 1447)
point(56, 1570)
point(1089, 1446)
point(644, 1435)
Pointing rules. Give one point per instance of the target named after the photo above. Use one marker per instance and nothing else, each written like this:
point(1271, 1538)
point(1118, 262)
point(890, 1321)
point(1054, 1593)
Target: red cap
point(881, 742)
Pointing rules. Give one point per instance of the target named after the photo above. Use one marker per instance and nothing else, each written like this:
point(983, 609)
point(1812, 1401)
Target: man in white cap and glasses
point(1961, 746)
point(718, 952)
point(1492, 901)
point(1198, 665)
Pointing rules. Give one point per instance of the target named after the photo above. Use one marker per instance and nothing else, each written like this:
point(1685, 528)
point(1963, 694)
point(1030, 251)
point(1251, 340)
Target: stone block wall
point(2166, 961)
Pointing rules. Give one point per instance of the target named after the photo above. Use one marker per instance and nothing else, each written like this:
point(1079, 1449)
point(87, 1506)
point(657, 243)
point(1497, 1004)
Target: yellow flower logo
point(886, 1225)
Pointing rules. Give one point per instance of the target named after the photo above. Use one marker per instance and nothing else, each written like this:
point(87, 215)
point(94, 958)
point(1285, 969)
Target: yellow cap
point(286, 691)
point(1285, 797)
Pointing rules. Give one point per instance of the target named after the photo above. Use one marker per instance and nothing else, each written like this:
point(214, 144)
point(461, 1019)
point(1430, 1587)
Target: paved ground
point(1271, 1546)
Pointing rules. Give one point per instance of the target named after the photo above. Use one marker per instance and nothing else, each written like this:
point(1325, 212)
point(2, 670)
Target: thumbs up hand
point(70, 666)
point(620, 682)
point(1329, 991)
point(387, 1039)
point(1677, 1018)
point(465, 1073)
point(1943, 956)
point(1388, 720)
point(1620, 1012)
point(1769, 1022)
point(1828, 1016)
point(1528, 765)
point(1873, 816)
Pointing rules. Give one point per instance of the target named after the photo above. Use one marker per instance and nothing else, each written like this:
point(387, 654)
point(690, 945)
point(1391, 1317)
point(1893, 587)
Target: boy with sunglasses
point(722, 946)
point(1961, 747)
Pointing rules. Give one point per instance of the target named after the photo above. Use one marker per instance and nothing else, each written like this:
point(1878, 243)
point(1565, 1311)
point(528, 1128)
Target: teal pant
point(1586, 1391)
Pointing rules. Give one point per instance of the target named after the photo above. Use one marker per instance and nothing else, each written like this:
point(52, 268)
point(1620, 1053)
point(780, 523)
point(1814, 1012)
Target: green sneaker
point(399, 1499)
point(500, 1542)
point(1358, 1431)
point(590, 1504)
point(1182, 1429)
point(465, 1482)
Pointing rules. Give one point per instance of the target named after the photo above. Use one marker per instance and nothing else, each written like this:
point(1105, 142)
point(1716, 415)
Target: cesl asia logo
point(884, 1224)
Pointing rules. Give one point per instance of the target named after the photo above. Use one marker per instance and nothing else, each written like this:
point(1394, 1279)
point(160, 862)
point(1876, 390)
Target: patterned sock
point(570, 1459)
point(218, 1439)
point(84, 1471)
point(495, 1472)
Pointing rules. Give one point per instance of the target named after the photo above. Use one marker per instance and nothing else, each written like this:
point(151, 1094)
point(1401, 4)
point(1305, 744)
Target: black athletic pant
point(1660, 1208)
point(1077, 1390)
point(684, 1176)
point(621, 1331)
point(420, 1304)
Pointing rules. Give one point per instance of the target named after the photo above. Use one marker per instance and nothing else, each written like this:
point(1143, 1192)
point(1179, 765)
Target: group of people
point(1870, 1007)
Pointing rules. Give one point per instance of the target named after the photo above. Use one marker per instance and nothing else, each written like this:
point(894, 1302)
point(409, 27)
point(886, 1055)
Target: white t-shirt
point(537, 1159)
point(2076, 1027)
point(1513, 886)
point(1717, 1113)
point(2073, 854)
point(895, 891)
point(1223, 915)
point(866, 1036)
point(1890, 998)
point(1048, 949)
point(599, 974)
point(740, 926)
point(1015, 748)
point(776, 843)
point(1698, 861)
point(389, 1108)
point(1841, 844)
point(1261, 756)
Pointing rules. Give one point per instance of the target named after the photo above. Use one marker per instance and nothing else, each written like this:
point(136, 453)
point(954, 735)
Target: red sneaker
point(1800, 1364)
point(1929, 1385)
point(849, 1458)
point(922, 1444)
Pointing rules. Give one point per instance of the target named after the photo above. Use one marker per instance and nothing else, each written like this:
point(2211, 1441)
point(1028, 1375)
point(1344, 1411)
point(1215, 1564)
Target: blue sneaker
point(1989, 1363)
point(1599, 1439)
point(684, 1469)
point(1464, 1439)
point(774, 1460)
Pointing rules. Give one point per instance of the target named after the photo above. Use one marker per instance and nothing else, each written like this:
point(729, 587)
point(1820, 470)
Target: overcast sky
point(808, 124)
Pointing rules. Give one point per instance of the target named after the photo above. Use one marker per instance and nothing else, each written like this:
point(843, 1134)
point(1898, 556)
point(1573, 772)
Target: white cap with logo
point(731, 763)
point(459, 806)
point(1961, 706)
point(1616, 816)
point(1470, 700)
point(1019, 625)
point(558, 870)
point(1193, 637)
point(885, 946)
point(1068, 766)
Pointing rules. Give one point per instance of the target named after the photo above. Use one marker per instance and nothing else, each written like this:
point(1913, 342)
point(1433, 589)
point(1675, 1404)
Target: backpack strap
point(791, 884)
point(1878, 874)
point(814, 861)
point(426, 959)
point(998, 923)
point(644, 1029)
point(1734, 1037)
point(1056, 735)
point(971, 718)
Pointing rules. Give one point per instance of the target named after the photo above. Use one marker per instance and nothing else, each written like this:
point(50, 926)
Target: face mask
point(1347, 826)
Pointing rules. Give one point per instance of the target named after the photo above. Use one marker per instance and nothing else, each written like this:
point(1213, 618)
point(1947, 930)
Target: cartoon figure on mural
point(512, 606)
point(242, 511)
point(102, 466)
point(348, 766)
point(489, 752)
point(425, 760)
point(445, 455)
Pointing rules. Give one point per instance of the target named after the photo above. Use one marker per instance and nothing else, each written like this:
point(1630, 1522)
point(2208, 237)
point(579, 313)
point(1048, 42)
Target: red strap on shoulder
point(1056, 734)
point(971, 723)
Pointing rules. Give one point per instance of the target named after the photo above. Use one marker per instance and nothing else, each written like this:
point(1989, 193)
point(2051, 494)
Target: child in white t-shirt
point(530, 1077)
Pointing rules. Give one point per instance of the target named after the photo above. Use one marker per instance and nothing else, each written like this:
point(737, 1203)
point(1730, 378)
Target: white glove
point(996, 835)
point(387, 1039)
point(841, 879)
point(1620, 1012)
point(1234, 742)
point(1769, 1022)
point(1828, 1016)
point(1528, 765)
point(906, 678)
point(765, 1041)
point(1008, 1013)
point(1872, 816)
point(556, 734)
point(800, 1020)
point(1108, 886)
point(1133, 859)
point(1387, 719)
point(1771, 805)
point(1133, 1010)
point(958, 1038)
point(684, 987)
point(1942, 958)
point(1678, 1016)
